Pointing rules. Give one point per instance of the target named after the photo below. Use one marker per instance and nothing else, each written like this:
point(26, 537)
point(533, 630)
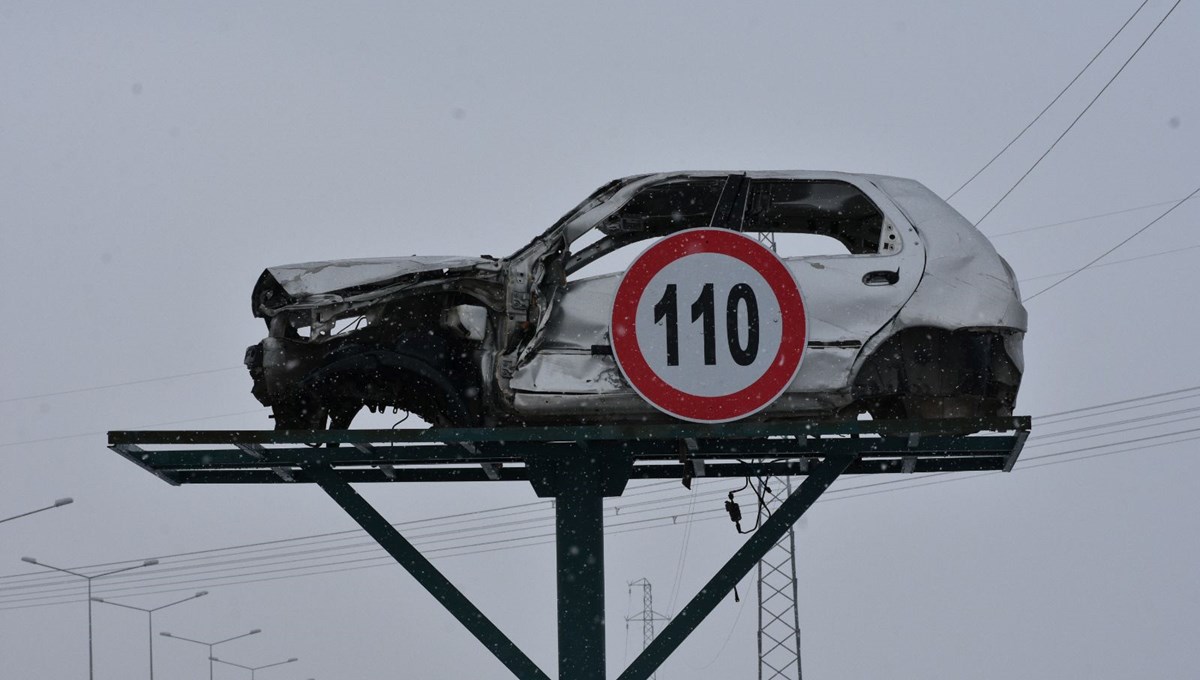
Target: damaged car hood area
point(325, 281)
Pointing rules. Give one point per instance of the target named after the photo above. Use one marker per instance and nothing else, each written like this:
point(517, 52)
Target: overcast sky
point(154, 158)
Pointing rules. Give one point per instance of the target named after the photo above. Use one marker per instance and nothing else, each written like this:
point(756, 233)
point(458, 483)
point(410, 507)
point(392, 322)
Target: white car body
point(919, 318)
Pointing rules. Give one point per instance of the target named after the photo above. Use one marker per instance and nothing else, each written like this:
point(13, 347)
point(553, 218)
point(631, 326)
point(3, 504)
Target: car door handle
point(881, 278)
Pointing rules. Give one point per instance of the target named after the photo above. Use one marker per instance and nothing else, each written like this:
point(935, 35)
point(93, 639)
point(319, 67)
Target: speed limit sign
point(708, 325)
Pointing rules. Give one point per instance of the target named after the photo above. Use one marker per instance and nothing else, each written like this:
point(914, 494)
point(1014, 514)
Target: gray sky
point(153, 160)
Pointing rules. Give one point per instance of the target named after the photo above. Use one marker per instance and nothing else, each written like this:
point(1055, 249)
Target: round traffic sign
point(708, 325)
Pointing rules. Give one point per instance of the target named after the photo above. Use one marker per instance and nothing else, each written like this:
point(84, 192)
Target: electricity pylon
point(648, 615)
point(778, 614)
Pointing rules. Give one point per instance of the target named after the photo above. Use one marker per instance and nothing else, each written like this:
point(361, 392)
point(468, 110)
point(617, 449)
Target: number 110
point(704, 308)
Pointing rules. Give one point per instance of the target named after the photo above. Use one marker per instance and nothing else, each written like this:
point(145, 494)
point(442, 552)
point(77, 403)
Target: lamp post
point(252, 669)
point(91, 662)
point(57, 504)
point(210, 645)
point(150, 618)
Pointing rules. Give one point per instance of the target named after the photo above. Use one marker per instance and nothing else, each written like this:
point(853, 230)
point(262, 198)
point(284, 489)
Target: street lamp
point(252, 669)
point(57, 504)
point(210, 645)
point(150, 618)
point(147, 563)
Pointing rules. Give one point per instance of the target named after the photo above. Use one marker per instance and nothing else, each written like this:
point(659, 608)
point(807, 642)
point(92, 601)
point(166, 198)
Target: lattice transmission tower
point(778, 613)
point(648, 616)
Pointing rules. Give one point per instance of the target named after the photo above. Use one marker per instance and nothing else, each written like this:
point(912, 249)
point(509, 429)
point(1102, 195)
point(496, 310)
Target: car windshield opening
point(655, 211)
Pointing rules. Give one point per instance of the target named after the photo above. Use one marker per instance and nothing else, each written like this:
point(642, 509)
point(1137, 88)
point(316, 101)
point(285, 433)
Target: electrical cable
point(732, 628)
point(1145, 397)
point(110, 386)
point(125, 587)
point(687, 537)
point(1052, 102)
point(1173, 251)
point(1085, 416)
point(140, 427)
point(489, 529)
point(1106, 253)
point(385, 560)
point(1127, 421)
point(660, 501)
point(691, 501)
point(1039, 227)
point(1078, 117)
point(356, 533)
point(1024, 467)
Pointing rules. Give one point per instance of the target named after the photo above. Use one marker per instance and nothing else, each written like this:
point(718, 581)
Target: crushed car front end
point(401, 333)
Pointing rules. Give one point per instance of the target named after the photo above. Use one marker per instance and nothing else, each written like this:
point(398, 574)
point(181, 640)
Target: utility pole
point(778, 615)
point(93, 577)
point(150, 618)
point(648, 615)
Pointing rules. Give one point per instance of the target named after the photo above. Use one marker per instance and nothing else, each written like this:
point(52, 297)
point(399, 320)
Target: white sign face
point(708, 325)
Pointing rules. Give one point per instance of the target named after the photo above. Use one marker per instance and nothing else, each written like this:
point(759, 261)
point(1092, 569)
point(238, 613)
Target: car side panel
point(572, 358)
point(844, 312)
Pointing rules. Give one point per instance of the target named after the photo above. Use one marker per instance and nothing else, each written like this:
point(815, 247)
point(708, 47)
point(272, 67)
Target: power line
point(461, 518)
point(132, 584)
point(110, 386)
point(525, 508)
point(81, 435)
point(1173, 251)
point(1127, 421)
point(1130, 400)
point(1106, 253)
point(1079, 219)
point(1085, 416)
point(193, 555)
point(1081, 114)
point(1026, 467)
point(1052, 102)
point(715, 513)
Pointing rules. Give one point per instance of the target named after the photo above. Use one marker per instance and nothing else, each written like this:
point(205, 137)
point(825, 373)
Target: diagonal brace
point(425, 573)
point(719, 586)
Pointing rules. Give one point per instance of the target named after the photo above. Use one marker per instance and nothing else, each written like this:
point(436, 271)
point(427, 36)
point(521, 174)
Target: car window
point(655, 211)
point(817, 217)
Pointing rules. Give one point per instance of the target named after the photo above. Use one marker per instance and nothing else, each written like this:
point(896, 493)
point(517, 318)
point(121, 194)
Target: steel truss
point(578, 466)
point(778, 598)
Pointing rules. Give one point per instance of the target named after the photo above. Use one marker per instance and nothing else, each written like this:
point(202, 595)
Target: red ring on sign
point(723, 408)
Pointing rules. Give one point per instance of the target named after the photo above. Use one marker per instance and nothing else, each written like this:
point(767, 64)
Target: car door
point(855, 257)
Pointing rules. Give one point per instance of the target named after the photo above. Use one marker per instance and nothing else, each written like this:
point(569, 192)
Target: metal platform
point(578, 466)
point(504, 454)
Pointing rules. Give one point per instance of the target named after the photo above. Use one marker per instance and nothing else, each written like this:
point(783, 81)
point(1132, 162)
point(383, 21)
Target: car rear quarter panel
point(966, 283)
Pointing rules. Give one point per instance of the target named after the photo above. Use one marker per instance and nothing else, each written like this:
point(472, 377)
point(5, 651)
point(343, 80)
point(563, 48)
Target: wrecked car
point(911, 312)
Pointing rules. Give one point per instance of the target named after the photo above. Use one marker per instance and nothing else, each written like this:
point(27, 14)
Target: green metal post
point(736, 568)
point(580, 542)
point(425, 573)
point(579, 481)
